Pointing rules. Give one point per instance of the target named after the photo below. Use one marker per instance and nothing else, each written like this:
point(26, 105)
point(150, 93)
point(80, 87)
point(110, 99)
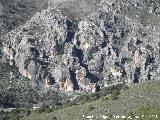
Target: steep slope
point(82, 46)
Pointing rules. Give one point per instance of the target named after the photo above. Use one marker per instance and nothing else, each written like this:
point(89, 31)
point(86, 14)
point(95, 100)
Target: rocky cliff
point(84, 45)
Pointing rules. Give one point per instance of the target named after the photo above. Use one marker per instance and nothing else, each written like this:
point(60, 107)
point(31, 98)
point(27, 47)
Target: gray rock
point(72, 44)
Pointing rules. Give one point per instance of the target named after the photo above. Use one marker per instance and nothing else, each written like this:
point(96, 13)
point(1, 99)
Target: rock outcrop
point(117, 42)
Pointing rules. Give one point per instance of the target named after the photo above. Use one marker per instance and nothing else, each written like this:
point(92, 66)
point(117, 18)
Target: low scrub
point(44, 109)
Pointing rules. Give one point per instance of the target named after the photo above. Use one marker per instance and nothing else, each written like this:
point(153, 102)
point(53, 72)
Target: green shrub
point(105, 98)
point(44, 109)
point(15, 114)
point(111, 90)
point(145, 110)
point(82, 99)
point(158, 113)
point(70, 103)
point(109, 116)
point(113, 97)
point(129, 116)
point(90, 108)
point(54, 118)
point(28, 112)
point(4, 117)
point(94, 96)
point(125, 87)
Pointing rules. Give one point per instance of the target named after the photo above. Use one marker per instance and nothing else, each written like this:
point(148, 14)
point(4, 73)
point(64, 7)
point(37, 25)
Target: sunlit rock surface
point(79, 46)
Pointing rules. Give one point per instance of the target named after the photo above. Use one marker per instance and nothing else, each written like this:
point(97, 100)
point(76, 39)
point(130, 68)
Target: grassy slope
point(144, 94)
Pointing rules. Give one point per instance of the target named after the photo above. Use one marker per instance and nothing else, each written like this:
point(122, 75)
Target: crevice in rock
point(34, 52)
point(138, 42)
point(150, 59)
point(71, 29)
point(137, 75)
point(105, 42)
point(50, 79)
point(124, 60)
point(109, 51)
point(73, 79)
point(124, 73)
point(78, 53)
point(149, 76)
point(92, 77)
point(59, 48)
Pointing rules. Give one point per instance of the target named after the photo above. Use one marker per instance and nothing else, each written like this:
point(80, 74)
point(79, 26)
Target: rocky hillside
point(82, 45)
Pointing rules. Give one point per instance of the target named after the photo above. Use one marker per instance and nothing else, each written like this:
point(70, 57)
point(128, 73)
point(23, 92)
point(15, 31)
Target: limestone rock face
point(35, 44)
point(116, 42)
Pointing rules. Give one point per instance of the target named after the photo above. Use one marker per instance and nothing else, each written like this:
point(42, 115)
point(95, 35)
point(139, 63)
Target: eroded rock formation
point(117, 42)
